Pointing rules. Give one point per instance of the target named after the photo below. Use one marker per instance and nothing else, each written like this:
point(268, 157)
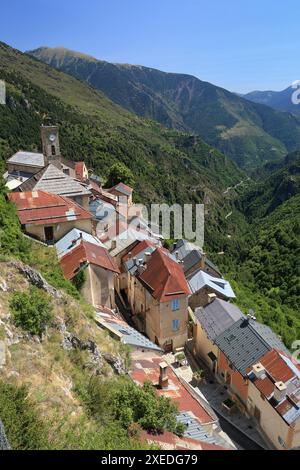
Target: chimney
point(140, 266)
point(211, 298)
point(80, 235)
point(134, 260)
point(163, 375)
point(113, 245)
point(279, 391)
point(259, 370)
point(203, 260)
point(147, 257)
point(177, 255)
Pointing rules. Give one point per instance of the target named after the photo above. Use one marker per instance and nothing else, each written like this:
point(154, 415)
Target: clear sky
point(241, 45)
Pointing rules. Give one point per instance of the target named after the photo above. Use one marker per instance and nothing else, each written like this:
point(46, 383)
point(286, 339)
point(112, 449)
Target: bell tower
point(50, 142)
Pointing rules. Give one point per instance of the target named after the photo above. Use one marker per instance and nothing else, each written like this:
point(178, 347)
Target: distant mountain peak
point(248, 132)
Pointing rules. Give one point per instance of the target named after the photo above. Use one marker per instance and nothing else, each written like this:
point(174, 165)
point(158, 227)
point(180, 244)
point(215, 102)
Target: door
point(168, 346)
point(49, 234)
point(257, 414)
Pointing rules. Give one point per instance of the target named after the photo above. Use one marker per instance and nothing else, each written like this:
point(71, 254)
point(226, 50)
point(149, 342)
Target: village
point(236, 384)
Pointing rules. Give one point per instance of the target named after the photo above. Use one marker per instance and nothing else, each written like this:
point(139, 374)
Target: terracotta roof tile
point(138, 248)
point(40, 208)
point(148, 369)
point(169, 441)
point(276, 366)
point(87, 253)
point(164, 277)
point(121, 188)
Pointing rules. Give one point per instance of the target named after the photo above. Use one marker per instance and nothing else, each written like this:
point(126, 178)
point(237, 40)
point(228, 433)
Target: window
point(53, 150)
point(175, 325)
point(175, 304)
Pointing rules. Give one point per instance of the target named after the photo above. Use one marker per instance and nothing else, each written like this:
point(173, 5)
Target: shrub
point(23, 428)
point(79, 280)
point(144, 406)
point(131, 406)
point(31, 311)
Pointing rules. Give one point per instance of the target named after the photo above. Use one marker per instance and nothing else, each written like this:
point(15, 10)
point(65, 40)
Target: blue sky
point(238, 44)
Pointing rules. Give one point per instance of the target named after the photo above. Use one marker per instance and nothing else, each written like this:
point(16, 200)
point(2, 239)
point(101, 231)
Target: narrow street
point(239, 428)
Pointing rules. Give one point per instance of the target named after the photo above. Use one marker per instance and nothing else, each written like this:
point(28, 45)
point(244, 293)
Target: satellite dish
point(52, 137)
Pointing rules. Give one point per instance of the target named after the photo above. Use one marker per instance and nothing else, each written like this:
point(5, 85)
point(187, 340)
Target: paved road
point(237, 436)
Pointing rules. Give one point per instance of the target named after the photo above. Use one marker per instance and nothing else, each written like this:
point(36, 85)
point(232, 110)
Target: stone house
point(48, 217)
point(274, 398)
point(193, 259)
point(158, 296)
point(203, 286)
point(261, 376)
point(55, 181)
point(123, 193)
point(99, 270)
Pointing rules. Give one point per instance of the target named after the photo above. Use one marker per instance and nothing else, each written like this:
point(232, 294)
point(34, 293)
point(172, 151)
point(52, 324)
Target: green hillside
point(263, 259)
point(248, 132)
point(253, 224)
point(93, 127)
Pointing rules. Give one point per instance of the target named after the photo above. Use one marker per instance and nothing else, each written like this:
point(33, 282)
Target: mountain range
point(280, 100)
point(250, 133)
point(251, 226)
point(252, 232)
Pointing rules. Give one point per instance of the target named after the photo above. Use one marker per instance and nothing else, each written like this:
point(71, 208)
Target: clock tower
point(50, 142)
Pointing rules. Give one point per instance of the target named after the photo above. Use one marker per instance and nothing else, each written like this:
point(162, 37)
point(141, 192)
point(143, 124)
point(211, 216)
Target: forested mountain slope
point(94, 128)
point(264, 257)
point(250, 133)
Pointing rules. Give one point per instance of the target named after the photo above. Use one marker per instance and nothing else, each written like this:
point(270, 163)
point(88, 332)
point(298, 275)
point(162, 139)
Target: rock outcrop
point(35, 278)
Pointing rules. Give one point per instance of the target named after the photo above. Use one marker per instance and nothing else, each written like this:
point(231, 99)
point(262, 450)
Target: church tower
point(50, 142)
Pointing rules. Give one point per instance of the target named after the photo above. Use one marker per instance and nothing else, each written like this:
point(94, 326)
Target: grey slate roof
point(72, 239)
point(126, 333)
point(28, 158)
point(101, 209)
point(269, 336)
point(184, 247)
point(242, 345)
point(197, 431)
point(55, 181)
point(217, 316)
point(200, 279)
point(190, 254)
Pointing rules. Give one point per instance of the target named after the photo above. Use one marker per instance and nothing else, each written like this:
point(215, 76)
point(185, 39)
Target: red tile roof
point(169, 441)
point(87, 253)
point(138, 248)
point(145, 366)
point(164, 277)
point(279, 370)
point(40, 208)
point(121, 188)
point(276, 366)
point(95, 187)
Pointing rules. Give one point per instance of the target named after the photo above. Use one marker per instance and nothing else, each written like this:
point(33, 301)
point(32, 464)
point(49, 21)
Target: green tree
point(120, 173)
point(31, 311)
